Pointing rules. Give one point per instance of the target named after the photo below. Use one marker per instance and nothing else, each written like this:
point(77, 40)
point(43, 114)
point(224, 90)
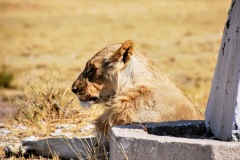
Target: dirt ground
point(6, 111)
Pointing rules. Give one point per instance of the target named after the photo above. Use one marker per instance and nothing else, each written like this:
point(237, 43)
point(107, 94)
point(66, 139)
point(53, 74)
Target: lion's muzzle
point(83, 92)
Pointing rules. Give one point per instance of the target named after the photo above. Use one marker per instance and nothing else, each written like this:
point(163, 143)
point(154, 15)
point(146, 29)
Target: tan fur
point(132, 88)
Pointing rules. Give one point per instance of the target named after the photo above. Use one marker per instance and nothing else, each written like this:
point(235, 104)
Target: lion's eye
point(91, 70)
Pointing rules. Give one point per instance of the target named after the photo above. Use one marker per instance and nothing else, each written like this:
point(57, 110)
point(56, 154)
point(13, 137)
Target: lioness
point(130, 86)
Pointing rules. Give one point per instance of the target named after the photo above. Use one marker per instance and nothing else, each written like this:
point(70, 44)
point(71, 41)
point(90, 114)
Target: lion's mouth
point(92, 99)
point(88, 101)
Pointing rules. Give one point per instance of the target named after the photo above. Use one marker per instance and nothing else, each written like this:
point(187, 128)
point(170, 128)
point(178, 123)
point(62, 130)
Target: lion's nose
point(75, 89)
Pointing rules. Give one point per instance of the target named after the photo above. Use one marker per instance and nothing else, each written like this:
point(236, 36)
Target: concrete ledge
point(134, 143)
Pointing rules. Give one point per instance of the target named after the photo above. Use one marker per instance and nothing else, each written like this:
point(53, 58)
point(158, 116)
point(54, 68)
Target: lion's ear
point(125, 52)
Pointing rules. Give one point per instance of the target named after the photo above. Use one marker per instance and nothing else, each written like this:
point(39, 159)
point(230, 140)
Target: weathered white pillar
point(223, 108)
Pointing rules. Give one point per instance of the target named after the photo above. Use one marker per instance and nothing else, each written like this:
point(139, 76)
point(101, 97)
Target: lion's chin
point(86, 104)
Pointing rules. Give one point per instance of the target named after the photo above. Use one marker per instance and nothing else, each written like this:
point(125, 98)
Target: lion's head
point(99, 80)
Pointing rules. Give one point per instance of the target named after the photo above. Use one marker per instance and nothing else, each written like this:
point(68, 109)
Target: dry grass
point(36, 37)
point(182, 36)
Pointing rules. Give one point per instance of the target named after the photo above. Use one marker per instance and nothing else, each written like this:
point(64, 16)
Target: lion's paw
point(13, 150)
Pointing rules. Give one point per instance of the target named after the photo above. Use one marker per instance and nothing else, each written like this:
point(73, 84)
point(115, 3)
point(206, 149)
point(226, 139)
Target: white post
point(223, 108)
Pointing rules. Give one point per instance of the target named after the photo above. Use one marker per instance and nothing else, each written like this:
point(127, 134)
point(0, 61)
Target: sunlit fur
point(139, 91)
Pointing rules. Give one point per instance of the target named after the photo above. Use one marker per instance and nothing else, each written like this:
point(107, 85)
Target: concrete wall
point(223, 108)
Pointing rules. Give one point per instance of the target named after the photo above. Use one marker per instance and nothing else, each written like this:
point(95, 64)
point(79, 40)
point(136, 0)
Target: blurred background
point(41, 38)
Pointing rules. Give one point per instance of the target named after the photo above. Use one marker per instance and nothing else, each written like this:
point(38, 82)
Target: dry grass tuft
point(45, 100)
point(47, 103)
point(6, 77)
